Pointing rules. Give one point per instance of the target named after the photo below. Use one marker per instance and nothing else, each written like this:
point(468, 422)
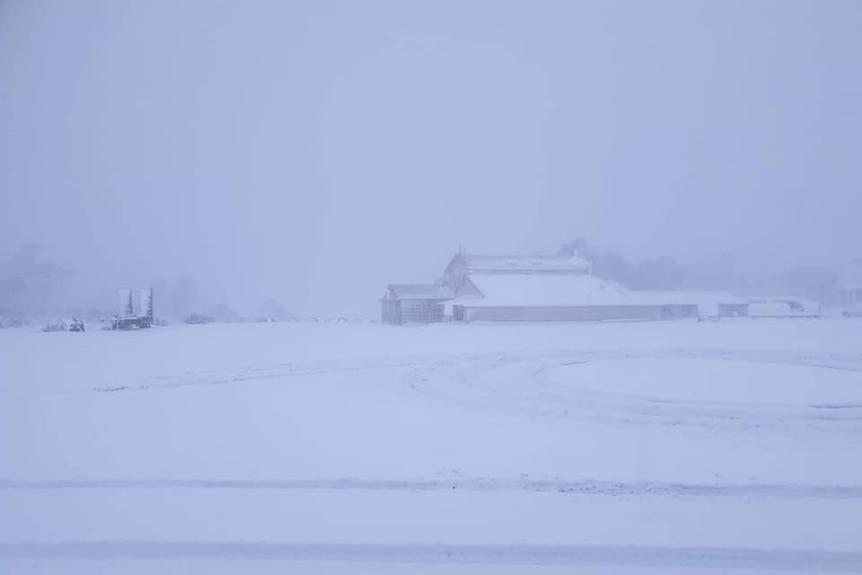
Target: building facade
point(541, 289)
point(413, 303)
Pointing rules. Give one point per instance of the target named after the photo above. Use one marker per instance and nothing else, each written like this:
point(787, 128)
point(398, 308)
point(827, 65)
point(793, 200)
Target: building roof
point(419, 291)
point(687, 297)
point(535, 264)
point(562, 290)
point(556, 290)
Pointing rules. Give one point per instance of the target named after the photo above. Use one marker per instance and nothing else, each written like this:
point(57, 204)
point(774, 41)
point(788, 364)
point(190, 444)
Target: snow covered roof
point(561, 290)
point(496, 264)
point(687, 297)
point(419, 291)
point(558, 290)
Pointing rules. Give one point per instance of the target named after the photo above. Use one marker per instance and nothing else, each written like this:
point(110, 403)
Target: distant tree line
point(660, 273)
point(714, 273)
point(29, 284)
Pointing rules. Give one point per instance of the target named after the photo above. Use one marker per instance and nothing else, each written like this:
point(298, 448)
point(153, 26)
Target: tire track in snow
point(574, 487)
point(559, 357)
point(516, 383)
point(251, 375)
point(807, 561)
point(256, 374)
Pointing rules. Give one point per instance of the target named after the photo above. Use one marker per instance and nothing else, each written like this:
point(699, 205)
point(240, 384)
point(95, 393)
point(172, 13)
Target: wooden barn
point(559, 297)
point(541, 288)
point(414, 303)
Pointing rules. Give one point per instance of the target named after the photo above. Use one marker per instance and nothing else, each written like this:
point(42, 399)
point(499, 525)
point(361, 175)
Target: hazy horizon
point(314, 152)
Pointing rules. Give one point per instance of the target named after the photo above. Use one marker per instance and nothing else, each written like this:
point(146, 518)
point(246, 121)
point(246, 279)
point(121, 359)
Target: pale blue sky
point(315, 151)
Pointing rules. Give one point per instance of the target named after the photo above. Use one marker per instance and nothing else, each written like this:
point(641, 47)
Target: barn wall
point(398, 312)
point(391, 312)
point(421, 311)
point(579, 313)
point(678, 311)
point(733, 309)
point(469, 288)
point(455, 274)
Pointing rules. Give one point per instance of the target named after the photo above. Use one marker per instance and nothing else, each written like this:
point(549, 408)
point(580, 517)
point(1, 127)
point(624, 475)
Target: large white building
point(539, 288)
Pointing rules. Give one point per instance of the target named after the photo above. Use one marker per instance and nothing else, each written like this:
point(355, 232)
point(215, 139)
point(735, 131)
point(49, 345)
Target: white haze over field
point(638, 448)
point(691, 169)
point(315, 151)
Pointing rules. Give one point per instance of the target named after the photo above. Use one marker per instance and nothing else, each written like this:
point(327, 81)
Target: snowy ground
point(345, 448)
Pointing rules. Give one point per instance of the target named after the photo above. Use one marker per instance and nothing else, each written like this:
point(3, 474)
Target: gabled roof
point(554, 290)
point(419, 291)
point(574, 290)
point(536, 264)
point(688, 297)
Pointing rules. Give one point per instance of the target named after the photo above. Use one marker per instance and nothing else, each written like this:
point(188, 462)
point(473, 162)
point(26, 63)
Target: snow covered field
point(342, 448)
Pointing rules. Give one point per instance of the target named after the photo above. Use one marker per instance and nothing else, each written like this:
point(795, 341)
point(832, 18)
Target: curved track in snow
point(536, 385)
point(529, 384)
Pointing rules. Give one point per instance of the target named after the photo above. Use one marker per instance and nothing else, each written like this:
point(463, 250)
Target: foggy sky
point(315, 151)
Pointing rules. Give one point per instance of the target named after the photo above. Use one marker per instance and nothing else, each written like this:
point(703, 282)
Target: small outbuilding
point(414, 303)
